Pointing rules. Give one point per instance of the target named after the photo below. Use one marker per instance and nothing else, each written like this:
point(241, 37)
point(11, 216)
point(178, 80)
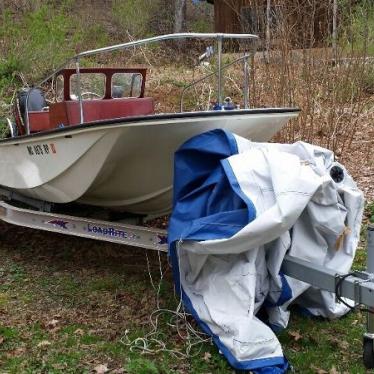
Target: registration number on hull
point(41, 149)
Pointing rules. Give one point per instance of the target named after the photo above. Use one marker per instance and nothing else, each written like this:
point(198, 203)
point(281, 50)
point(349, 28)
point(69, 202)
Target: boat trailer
point(357, 286)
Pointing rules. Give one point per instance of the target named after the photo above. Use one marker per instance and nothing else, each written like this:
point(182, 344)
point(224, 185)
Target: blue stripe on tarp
point(203, 231)
point(236, 187)
point(276, 328)
point(232, 142)
point(305, 312)
point(285, 293)
point(195, 160)
point(216, 226)
point(204, 200)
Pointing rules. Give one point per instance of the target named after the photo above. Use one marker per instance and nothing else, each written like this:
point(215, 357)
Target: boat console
point(106, 93)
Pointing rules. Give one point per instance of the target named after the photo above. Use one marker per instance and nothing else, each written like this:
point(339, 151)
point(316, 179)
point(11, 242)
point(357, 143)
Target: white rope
point(151, 343)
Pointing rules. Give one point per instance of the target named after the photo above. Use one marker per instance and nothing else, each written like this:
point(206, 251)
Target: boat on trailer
point(108, 148)
point(100, 141)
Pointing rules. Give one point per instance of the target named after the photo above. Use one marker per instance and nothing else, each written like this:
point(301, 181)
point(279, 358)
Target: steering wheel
point(89, 93)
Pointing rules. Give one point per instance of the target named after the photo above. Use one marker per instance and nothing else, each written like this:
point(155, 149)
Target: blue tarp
point(209, 204)
point(238, 208)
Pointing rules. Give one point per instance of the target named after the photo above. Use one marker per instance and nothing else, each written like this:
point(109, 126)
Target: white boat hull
point(126, 165)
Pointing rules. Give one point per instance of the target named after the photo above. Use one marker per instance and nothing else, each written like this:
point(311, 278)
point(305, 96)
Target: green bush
point(36, 42)
point(368, 80)
point(357, 27)
point(8, 70)
point(134, 16)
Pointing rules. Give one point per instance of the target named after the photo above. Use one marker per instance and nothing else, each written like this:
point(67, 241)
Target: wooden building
point(309, 22)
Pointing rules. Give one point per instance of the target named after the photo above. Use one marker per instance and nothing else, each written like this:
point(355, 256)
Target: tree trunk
point(334, 28)
point(268, 10)
point(180, 15)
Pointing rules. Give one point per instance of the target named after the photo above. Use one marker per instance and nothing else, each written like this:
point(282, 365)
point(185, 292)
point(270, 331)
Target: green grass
point(141, 366)
point(67, 310)
point(78, 309)
point(66, 305)
point(325, 344)
point(370, 212)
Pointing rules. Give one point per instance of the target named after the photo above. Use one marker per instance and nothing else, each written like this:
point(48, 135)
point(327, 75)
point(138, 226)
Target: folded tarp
point(238, 208)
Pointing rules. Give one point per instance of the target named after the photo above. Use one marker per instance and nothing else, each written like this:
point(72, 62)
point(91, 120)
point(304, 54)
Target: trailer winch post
point(368, 340)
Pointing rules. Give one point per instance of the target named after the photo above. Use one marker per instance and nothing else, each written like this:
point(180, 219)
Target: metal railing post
point(219, 48)
point(246, 82)
point(79, 90)
point(368, 338)
point(370, 269)
point(27, 124)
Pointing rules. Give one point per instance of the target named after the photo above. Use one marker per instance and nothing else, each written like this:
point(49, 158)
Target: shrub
point(134, 16)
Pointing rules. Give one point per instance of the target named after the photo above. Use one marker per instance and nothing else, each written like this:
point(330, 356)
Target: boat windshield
point(92, 86)
point(126, 85)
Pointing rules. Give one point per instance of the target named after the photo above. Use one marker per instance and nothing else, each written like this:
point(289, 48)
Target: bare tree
point(334, 27)
point(268, 10)
point(180, 15)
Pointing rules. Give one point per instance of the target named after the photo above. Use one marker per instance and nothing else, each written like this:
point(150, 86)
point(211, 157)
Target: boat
point(101, 143)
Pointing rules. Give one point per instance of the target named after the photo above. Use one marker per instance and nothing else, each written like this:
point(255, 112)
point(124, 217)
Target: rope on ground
point(152, 342)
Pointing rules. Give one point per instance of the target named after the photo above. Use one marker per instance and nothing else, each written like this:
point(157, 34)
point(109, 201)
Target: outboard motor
point(35, 103)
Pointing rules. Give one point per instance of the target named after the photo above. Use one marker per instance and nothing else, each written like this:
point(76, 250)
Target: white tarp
point(239, 207)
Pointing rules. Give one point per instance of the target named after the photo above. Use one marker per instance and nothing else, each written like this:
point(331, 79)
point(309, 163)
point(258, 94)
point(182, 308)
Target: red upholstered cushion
point(95, 110)
point(39, 121)
point(67, 113)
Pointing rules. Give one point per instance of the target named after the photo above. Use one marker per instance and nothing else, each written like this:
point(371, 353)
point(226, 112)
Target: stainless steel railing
point(245, 88)
point(219, 37)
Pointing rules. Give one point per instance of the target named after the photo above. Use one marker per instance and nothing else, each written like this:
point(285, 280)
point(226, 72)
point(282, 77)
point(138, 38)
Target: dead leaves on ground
point(207, 357)
point(339, 343)
point(79, 332)
point(16, 352)
point(53, 325)
point(295, 335)
point(44, 344)
point(333, 370)
point(101, 369)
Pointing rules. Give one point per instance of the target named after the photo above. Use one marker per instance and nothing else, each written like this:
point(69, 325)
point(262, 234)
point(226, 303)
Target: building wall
point(310, 20)
point(227, 15)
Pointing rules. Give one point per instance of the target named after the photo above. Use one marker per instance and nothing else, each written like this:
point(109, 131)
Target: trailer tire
point(368, 353)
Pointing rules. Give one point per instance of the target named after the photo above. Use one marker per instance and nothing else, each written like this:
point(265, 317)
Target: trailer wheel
point(368, 353)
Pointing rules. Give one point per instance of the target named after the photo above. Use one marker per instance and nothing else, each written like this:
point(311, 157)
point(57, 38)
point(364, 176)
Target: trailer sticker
point(110, 231)
point(41, 149)
point(162, 239)
point(58, 223)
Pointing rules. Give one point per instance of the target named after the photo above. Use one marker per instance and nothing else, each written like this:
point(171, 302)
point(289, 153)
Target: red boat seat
point(67, 113)
point(39, 121)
